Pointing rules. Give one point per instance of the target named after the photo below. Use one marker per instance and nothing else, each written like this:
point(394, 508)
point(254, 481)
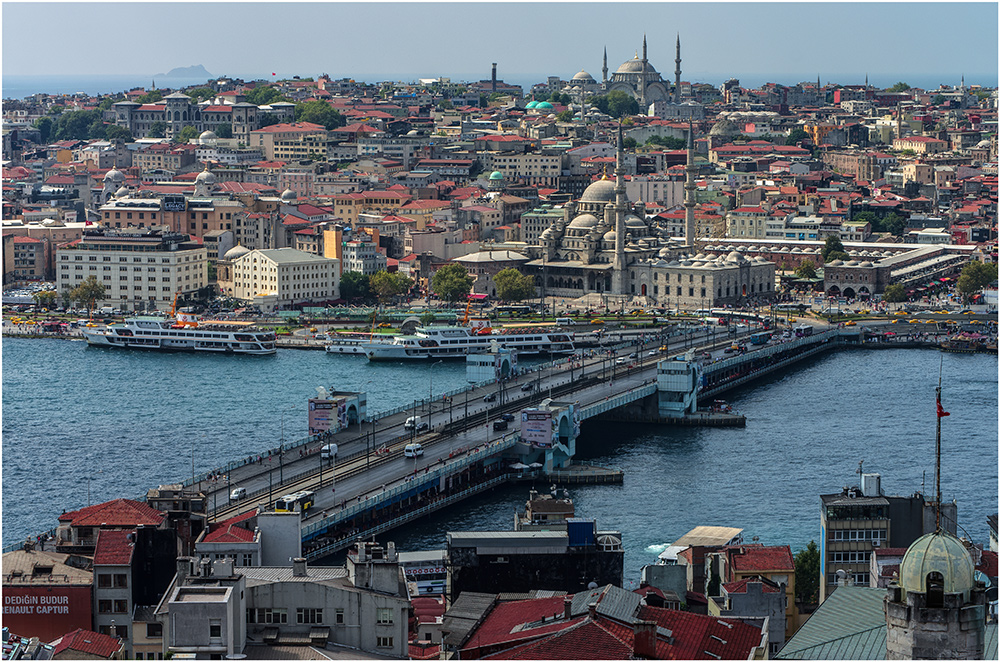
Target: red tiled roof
point(151, 106)
point(230, 531)
point(751, 558)
point(501, 623)
point(988, 563)
point(217, 109)
point(26, 240)
point(741, 586)
point(119, 512)
point(700, 637)
point(86, 641)
point(113, 547)
point(302, 127)
point(583, 640)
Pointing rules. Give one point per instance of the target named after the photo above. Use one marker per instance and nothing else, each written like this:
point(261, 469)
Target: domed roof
point(114, 175)
point(121, 193)
point(496, 175)
point(725, 127)
point(734, 257)
point(583, 76)
point(610, 235)
point(634, 222)
point(544, 105)
point(205, 176)
point(530, 105)
point(603, 190)
point(634, 66)
point(937, 552)
point(208, 135)
point(664, 252)
point(236, 251)
point(836, 263)
point(584, 221)
point(288, 195)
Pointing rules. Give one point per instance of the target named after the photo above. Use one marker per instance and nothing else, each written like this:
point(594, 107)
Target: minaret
point(605, 69)
point(618, 267)
point(689, 189)
point(677, 72)
point(899, 120)
point(642, 79)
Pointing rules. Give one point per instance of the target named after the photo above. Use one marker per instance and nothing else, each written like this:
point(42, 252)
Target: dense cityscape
point(597, 250)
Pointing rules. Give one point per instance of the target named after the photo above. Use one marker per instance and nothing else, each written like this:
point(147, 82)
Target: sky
point(402, 41)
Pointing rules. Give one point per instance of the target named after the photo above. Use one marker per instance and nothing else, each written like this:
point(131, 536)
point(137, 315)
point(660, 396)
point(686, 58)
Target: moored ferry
point(348, 344)
point(183, 334)
point(442, 342)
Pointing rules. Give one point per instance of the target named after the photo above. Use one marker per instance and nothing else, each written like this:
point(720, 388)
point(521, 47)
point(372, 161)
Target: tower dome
point(937, 552)
point(584, 221)
point(496, 175)
point(584, 77)
point(603, 190)
point(289, 195)
point(206, 177)
point(114, 176)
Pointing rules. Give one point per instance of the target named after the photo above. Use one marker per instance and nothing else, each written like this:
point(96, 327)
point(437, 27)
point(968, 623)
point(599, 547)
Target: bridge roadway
point(461, 424)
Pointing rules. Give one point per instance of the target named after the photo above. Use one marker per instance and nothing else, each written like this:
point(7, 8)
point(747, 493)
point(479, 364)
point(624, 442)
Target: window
point(308, 615)
point(104, 580)
point(383, 642)
point(338, 616)
point(276, 616)
point(215, 629)
point(383, 616)
point(154, 630)
point(121, 606)
point(121, 580)
point(104, 606)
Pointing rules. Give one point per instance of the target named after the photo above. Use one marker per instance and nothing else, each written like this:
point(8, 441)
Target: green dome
point(937, 552)
point(530, 105)
point(544, 105)
point(496, 175)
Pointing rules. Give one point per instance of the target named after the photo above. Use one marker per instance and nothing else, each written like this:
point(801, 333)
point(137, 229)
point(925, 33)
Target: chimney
point(299, 567)
point(645, 639)
point(568, 607)
point(592, 610)
point(183, 568)
point(493, 87)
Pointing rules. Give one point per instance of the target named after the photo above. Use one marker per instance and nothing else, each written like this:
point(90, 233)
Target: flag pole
point(937, 451)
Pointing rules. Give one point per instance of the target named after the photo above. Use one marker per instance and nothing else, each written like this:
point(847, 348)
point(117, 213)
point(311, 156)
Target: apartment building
point(281, 277)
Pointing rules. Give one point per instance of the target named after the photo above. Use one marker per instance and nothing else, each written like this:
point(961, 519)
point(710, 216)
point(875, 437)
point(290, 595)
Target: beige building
point(269, 137)
point(140, 268)
point(279, 277)
point(747, 223)
point(920, 144)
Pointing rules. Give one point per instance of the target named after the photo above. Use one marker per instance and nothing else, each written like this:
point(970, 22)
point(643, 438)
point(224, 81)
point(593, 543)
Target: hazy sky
point(403, 40)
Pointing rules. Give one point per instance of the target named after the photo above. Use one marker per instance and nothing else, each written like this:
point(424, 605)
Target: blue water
point(70, 411)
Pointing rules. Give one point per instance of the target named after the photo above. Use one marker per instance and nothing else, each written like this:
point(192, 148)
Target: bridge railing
point(825, 336)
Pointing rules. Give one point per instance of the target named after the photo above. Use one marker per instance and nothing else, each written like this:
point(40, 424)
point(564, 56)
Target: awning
point(477, 297)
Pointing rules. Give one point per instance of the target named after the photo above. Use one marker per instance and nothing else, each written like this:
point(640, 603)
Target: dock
point(585, 473)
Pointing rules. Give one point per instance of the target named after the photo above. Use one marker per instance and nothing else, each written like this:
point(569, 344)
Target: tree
point(266, 120)
point(837, 255)
point(833, 245)
point(975, 276)
point(224, 130)
point(445, 104)
point(201, 93)
point(564, 116)
point(617, 104)
point(937, 100)
point(263, 94)
point(629, 143)
point(806, 270)
point(186, 134)
point(150, 97)
point(667, 142)
point(512, 285)
point(157, 130)
point(118, 134)
point(894, 293)
point(807, 574)
point(44, 126)
point(78, 125)
point(899, 87)
point(45, 299)
point(452, 282)
point(387, 285)
point(88, 292)
point(105, 104)
point(894, 223)
point(427, 318)
point(318, 112)
point(560, 98)
point(354, 285)
point(796, 136)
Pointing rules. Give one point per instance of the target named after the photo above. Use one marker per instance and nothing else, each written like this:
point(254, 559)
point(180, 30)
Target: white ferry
point(185, 333)
point(442, 342)
point(348, 344)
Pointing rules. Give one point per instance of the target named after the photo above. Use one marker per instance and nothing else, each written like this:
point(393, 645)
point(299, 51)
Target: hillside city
point(629, 190)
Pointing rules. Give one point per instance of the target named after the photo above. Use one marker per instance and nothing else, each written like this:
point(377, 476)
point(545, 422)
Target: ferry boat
point(442, 342)
point(964, 343)
point(348, 344)
point(184, 333)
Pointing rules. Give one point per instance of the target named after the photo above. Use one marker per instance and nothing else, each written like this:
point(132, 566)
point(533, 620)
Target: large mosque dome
point(634, 66)
point(603, 190)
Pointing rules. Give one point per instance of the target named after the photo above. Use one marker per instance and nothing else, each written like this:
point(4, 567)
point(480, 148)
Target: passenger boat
point(442, 342)
point(183, 333)
point(348, 344)
point(963, 343)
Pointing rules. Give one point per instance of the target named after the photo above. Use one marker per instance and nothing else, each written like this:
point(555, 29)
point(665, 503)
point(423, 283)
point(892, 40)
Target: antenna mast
point(937, 450)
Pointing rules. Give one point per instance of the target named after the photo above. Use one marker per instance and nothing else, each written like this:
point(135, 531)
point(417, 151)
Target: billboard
point(46, 612)
point(536, 428)
point(322, 416)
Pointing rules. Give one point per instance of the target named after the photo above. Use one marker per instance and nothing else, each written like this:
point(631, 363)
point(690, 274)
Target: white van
point(106, 310)
point(238, 493)
point(564, 321)
point(413, 450)
point(415, 423)
point(328, 451)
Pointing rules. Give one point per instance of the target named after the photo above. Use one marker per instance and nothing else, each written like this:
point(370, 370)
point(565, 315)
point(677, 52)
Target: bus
point(512, 310)
point(297, 502)
point(791, 307)
point(760, 338)
point(803, 330)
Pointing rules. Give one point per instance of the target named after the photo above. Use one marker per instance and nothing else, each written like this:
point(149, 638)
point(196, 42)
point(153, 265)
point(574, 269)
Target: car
point(490, 397)
point(499, 426)
point(238, 493)
point(664, 348)
point(507, 417)
point(528, 387)
point(620, 360)
point(901, 312)
point(850, 323)
point(633, 355)
point(413, 450)
point(652, 352)
point(597, 321)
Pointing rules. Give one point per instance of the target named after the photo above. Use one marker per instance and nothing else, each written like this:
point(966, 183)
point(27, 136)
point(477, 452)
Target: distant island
point(194, 71)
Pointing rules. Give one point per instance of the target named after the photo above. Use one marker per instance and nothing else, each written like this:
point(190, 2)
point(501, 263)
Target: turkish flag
point(940, 410)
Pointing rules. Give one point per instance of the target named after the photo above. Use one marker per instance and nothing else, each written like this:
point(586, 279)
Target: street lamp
point(430, 393)
point(281, 446)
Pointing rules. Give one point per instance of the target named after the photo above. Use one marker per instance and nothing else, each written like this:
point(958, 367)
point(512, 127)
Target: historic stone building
point(638, 78)
point(178, 110)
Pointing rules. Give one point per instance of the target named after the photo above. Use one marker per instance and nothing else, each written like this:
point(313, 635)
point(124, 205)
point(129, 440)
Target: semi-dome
point(122, 192)
point(941, 553)
point(205, 176)
point(610, 235)
point(584, 221)
point(288, 195)
point(725, 128)
point(603, 190)
point(634, 222)
point(236, 251)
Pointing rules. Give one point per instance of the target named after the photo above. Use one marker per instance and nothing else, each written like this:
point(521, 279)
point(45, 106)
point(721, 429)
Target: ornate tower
point(689, 189)
point(621, 203)
point(642, 78)
point(677, 72)
point(605, 69)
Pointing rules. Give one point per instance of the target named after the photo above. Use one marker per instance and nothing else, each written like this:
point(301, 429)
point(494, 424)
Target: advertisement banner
point(46, 612)
point(321, 416)
point(536, 428)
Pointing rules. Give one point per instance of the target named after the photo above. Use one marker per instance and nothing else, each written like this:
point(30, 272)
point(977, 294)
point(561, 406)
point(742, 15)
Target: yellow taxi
point(597, 321)
point(850, 323)
point(901, 312)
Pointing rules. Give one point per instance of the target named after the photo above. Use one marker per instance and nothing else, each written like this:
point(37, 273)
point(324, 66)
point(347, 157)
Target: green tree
point(201, 93)
point(629, 143)
point(263, 94)
point(56, 110)
point(318, 112)
point(894, 293)
point(150, 97)
point(45, 299)
point(105, 104)
point(541, 96)
point(44, 125)
point(899, 87)
point(894, 223)
point(88, 293)
point(427, 318)
point(452, 282)
point(266, 120)
point(118, 134)
point(564, 116)
point(77, 125)
point(157, 130)
point(667, 142)
point(837, 255)
point(806, 270)
point(807, 574)
point(937, 100)
point(512, 285)
point(833, 244)
point(560, 98)
point(975, 276)
point(795, 136)
point(354, 285)
point(224, 130)
point(186, 134)
point(617, 104)
point(445, 104)
point(386, 285)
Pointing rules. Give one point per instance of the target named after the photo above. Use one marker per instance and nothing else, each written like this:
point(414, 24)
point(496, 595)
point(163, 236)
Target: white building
point(362, 255)
point(140, 268)
point(284, 276)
